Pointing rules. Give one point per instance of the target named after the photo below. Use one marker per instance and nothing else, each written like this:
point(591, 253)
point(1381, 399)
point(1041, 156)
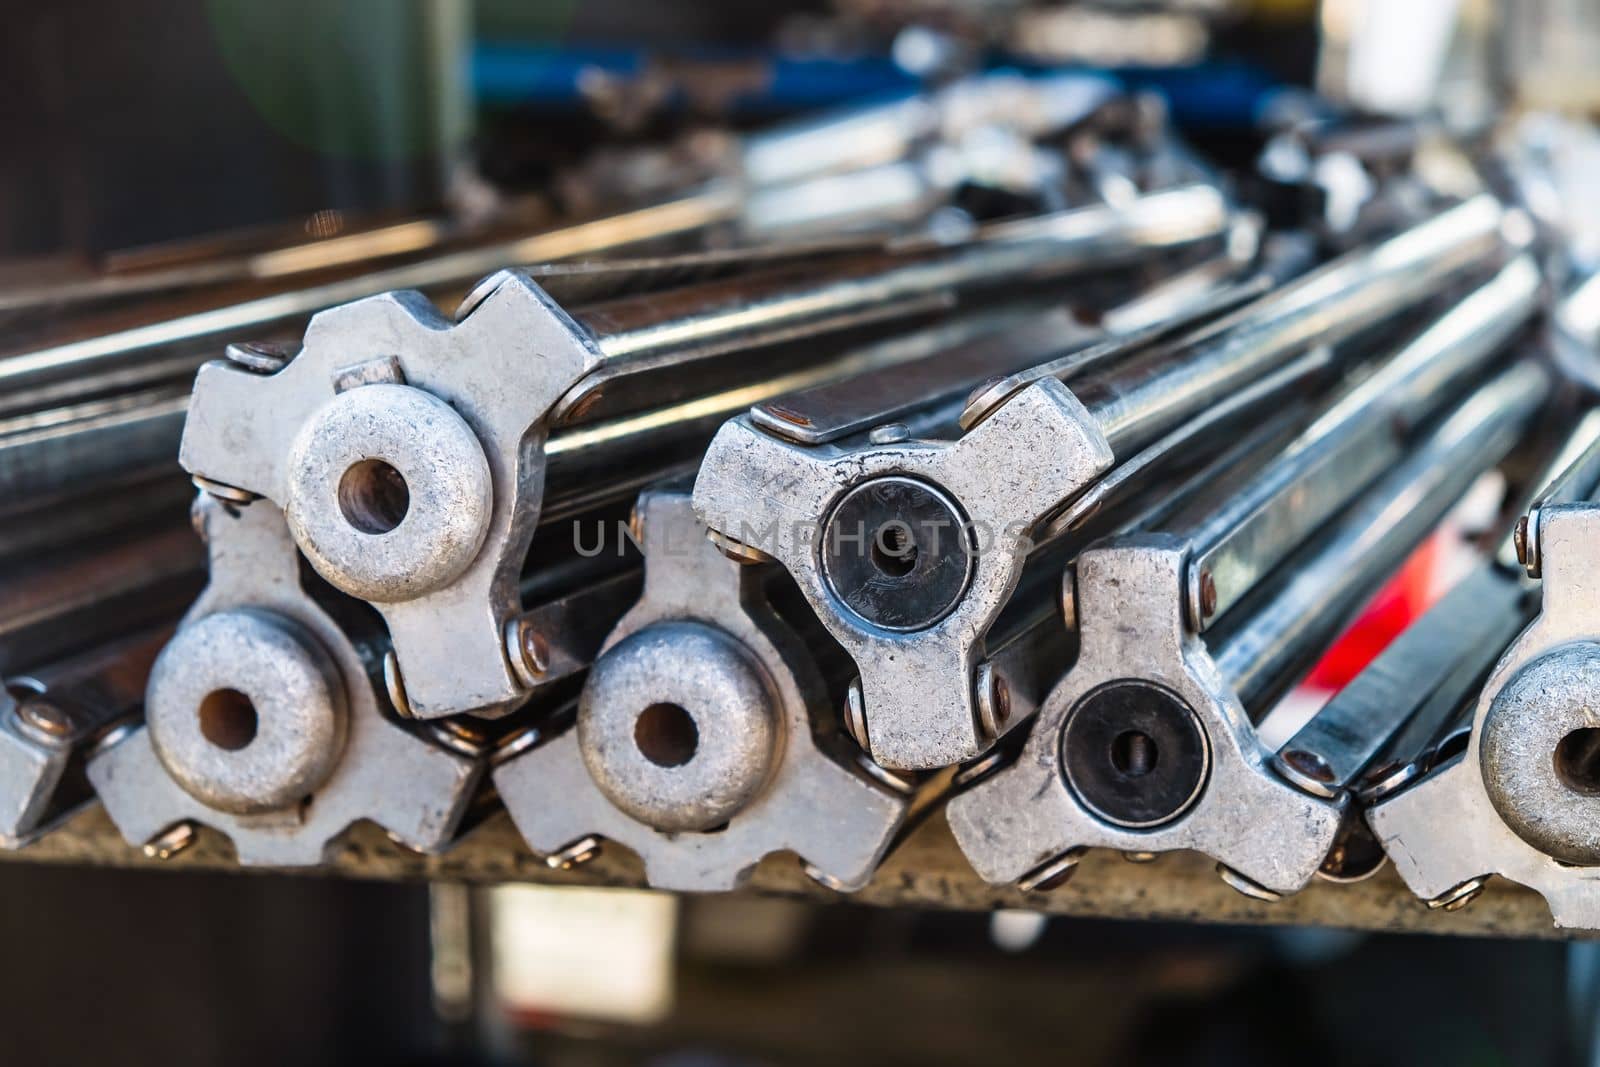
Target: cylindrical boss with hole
point(246, 711)
point(678, 750)
point(1540, 753)
point(389, 492)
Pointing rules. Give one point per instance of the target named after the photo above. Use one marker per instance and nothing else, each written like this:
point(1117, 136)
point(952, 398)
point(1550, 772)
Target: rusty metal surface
point(926, 871)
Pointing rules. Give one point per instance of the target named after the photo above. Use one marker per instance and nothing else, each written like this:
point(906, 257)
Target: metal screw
point(478, 294)
point(1248, 886)
point(982, 388)
point(636, 526)
point(579, 852)
point(1460, 896)
point(902, 785)
point(511, 747)
point(1052, 875)
point(174, 840)
point(890, 433)
point(993, 700)
point(1208, 595)
point(262, 357)
point(526, 652)
point(824, 879)
point(737, 550)
point(382, 370)
point(855, 713)
point(222, 491)
point(1527, 542)
point(1069, 597)
point(1309, 764)
point(395, 684)
point(45, 718)
point(462, 736)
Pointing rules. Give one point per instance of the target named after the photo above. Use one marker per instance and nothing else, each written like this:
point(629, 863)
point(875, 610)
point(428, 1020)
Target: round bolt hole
point(666, 735)
point(1133, 754)
point(893, 551)
point(228, 719)
point(373, 497)
point(1578, 760)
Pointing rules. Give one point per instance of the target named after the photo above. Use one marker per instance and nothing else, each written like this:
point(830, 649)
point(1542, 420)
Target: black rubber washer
point(1135, 754)
point(897, 552)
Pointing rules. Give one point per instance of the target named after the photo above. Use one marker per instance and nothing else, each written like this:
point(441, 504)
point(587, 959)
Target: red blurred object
point(1408, 594)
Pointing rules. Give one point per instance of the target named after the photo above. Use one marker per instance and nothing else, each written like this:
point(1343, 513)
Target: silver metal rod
point(1578, 313)
point(594, 450)
point(1237, 541)
point(82, 446)
point(197, 334)
point(409, 237)
point(921, 376)
point(1145, 336)
point(1420, 679)
point(1577, 479)
point(789, 176)
point(1575, 332)
point(1134, 404)
point(1576, 483)
point(1330, 581)
point(92, 689)
point(584, 283)
point(941, 362)
point(82, 594)
point(1571, 475)
point(132, 500)
point(1127, 478)
point(1175, 298)
point(1241, 539)
point(1379, 725)
point(681, 327)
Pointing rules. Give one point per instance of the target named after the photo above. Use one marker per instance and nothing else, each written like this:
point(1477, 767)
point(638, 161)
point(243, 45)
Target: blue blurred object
point(551, 76)
point(1220, 95)
point(1212, 96)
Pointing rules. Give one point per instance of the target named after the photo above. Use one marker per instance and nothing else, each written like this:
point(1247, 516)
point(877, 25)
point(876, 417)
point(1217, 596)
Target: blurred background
point(142, 139)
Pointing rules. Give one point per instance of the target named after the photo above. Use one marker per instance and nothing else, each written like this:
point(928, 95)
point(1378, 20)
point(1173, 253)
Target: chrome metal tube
point(1330, 581)
point(686, 325)
point(187, 339)
point(1136, 403)
point(1570, 473)
point(81, 446)
point(82, 594)
point(1422, 676)
point(1240, 538)
point(920, 379)
point(1378, 727)
point(812, 396)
